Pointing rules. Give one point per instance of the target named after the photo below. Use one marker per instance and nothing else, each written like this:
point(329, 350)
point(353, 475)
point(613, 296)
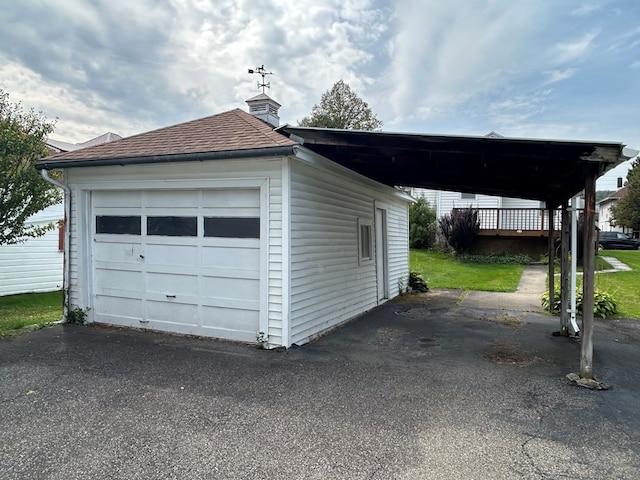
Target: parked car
point(617, 241)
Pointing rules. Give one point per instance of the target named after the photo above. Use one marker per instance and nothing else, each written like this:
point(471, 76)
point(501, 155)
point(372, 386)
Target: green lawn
point(440, 270)
point(18, 311)
point(624, 286)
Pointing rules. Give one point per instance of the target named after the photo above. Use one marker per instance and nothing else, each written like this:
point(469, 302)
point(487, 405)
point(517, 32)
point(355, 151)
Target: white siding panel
point(508, 202)
point(328, 286)
point(33, 266)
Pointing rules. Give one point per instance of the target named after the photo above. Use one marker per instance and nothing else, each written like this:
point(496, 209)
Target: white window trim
point(367, 224)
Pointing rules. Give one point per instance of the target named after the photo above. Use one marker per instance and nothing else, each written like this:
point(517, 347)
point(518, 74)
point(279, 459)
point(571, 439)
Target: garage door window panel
point(232, 227)
point(172, 226)
point(118, 225)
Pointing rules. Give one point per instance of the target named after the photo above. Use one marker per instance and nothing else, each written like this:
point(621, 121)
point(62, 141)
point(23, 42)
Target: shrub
point(417, 283)
point(77, 316)
point(604, 305)
point(460, 228)
point(422, 225)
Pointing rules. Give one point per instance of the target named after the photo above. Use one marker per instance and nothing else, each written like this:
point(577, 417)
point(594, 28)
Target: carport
point(552, 171)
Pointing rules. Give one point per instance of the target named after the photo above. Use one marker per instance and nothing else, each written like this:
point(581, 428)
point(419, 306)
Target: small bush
point(422, 225)
point(77, 316)
point(460, 228)
point(604, 305)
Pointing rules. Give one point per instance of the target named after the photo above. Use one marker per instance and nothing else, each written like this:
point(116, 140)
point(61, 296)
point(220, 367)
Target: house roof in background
point(229, 131)
point(62, 147)
point(615, 196)
point(546, 170)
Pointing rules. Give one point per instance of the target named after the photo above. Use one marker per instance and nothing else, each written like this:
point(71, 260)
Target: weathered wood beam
point(588, 276)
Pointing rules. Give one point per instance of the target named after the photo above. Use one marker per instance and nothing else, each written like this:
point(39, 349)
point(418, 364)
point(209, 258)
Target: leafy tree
point(626, 211)
point(23, 192)
point(460, 228)
point(341, 108)
point(422, 224)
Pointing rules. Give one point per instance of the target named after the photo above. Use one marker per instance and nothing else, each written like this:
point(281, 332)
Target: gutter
point(182, 157)
point(67, 240)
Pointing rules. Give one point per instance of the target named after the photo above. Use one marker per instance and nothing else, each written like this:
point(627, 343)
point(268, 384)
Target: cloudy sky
point(527, 68)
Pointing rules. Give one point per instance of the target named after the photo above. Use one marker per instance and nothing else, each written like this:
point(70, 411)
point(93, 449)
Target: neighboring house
point(36, 265)
point(223, 227)
point(606, 223)
point(58, 146)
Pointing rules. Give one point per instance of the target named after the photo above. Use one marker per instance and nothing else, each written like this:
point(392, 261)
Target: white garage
point(185, 261)
point(223, 227)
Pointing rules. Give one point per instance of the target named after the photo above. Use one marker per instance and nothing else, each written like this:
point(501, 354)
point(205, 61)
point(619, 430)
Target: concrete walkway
point(526, 298)
point(533, 284)
point(617, 265)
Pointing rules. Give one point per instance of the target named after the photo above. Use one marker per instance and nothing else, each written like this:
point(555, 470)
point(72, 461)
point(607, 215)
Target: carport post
point(588, 276)
point(564, 270)
point(552, 258)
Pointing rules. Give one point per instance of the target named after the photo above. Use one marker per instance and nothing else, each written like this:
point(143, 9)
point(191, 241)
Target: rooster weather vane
point(262, 72)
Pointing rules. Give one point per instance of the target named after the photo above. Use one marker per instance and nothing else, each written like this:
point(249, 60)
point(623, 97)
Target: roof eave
point(176, 158)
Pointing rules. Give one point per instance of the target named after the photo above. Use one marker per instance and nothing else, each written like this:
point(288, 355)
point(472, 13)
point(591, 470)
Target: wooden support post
point(552, 259)
point(564, 270)
point(588, 276)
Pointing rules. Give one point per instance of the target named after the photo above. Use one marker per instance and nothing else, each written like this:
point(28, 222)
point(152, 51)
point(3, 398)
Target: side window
point(365, 241)
point(118, 225)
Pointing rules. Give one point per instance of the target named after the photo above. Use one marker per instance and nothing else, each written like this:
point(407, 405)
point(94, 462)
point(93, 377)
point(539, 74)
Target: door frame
point(382, 252)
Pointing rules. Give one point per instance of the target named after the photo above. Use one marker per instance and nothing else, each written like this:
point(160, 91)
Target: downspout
point(67, 237)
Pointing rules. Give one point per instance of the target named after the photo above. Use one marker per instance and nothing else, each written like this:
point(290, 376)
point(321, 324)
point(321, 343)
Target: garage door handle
point(170, 296)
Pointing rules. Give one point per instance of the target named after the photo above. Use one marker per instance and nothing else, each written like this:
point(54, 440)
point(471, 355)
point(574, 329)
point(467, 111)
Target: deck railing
point(534, 221)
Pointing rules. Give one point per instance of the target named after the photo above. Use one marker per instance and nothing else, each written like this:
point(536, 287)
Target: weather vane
point(262, 72)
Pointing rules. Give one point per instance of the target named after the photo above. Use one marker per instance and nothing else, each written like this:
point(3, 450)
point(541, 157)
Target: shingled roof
point(229, 131)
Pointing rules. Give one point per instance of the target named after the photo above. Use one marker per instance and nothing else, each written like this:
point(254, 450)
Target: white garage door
point(185, 261)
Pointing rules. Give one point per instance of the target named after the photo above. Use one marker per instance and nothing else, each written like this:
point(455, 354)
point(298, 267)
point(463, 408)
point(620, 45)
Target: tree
point(626, 211)
point(340, 107)
point(23, 192)
point(422, 224)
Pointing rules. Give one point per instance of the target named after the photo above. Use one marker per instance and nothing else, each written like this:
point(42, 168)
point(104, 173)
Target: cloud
point(559, 75)
point(446, 53)
point(422, 65)
point(565, 52)
point(588, 8)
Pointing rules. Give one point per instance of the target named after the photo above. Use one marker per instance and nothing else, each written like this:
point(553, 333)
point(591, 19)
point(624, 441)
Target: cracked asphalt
point(418, 388)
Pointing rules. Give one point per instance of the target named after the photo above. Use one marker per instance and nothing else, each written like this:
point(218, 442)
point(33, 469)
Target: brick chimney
point(265, 108)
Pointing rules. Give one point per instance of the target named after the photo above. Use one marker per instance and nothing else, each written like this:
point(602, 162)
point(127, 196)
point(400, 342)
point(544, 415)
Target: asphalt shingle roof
point(228, 131)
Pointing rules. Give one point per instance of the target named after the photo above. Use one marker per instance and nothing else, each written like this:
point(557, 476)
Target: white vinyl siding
point(36, 264)
point(328, 286)
point(445, 201)
point(397, 247)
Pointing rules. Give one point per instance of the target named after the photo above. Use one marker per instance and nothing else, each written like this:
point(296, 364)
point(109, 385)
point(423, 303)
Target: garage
point(184, 261)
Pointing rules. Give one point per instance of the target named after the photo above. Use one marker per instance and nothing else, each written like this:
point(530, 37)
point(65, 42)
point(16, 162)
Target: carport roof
point(546, 170)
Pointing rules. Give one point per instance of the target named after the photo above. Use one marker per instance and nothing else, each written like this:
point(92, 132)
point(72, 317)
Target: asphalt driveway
point(415, 389)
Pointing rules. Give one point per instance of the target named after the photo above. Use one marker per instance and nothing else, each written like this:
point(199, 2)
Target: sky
point(528, 68)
